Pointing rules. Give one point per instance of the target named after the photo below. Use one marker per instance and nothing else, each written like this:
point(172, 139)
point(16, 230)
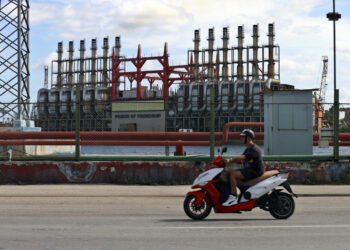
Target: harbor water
point(160, 150)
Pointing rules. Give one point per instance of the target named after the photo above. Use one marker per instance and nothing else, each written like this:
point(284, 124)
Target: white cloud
point(303, 38)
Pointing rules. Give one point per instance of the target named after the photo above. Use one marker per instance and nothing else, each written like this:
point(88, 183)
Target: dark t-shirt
point(253, 159)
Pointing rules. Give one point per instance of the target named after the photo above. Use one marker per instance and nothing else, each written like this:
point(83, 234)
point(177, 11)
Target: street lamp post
point(334, 16)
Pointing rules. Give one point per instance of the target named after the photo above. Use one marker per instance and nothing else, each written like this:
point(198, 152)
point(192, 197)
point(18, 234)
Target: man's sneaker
point(232, 200)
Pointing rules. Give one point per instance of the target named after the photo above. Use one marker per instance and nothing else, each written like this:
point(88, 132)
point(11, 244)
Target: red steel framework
point(168, 74)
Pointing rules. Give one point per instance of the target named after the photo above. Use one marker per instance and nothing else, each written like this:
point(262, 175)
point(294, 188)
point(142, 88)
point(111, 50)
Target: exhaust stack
point(211, 40)
point(240, 38)
point(255, 36)
point(196, 41)
point(93, 61)
point(225, 39)
point(105, 60)
point(59, 64)
point(117, 46)
point(271, 36)
point(70, 63)
point(82, 56)
point(46, 77)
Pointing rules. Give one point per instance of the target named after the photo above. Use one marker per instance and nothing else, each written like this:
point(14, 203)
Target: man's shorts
point(249, 174)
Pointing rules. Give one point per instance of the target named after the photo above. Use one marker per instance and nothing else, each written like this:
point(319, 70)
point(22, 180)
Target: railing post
point(77, 123)
point(336, 125)
point(212, 122)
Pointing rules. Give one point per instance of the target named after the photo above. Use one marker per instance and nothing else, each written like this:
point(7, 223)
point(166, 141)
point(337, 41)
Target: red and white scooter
point(261, 192)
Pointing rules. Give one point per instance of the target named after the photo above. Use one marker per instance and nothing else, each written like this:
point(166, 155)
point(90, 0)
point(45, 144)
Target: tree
point(328, 115)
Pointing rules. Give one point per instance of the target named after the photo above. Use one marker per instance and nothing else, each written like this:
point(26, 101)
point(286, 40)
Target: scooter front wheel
point(281, 205)
point(196, 212)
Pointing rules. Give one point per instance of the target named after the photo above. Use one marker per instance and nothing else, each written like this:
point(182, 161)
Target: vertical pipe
point(46, 77)
point(336, 125)
point(240, 38)
point(70, 64)
point(336, 94)
point(117, 46)
point(271, 66)
point(82, 62)
point(19, 64)
point(59, 64)
point(217, 78)
point(105, 61)
point(212, 122)
point(225, 39)
point(77, 123)
point(196, 41)
point(93, 61)
point(210, 54)
point(255, 36)
point(117, 57)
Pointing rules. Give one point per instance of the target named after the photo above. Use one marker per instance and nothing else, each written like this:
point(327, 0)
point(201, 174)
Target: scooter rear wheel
point(281, 205)
point(196, 212)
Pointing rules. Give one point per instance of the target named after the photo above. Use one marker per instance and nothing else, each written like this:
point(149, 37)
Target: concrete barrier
point(153, 172)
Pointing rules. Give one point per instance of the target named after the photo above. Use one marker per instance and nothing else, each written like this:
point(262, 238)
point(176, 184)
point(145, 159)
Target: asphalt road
point(145, 217)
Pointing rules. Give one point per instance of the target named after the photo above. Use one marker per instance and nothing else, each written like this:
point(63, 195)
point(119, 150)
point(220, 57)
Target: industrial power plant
point(175, 96)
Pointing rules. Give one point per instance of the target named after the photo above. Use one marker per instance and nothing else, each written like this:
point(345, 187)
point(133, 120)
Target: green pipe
point(77, 123)
point(212, 122)
point(336, 125)
point(167, 158)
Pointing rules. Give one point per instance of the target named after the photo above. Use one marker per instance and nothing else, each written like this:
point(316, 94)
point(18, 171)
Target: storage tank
point(42, 100)
point(241, 94)
point(195, 96)
point(73, 98)
point(54, 95)
point(256, 102)
point(65, 99)
point(88, 99)
point(227, 96)
point(181, 97)
point(102, 97)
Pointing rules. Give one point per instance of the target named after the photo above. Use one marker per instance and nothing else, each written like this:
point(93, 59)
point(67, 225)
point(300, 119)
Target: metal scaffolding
point(14, 59)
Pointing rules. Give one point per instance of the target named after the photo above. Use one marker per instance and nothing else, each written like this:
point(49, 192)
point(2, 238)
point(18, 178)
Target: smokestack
point(240, 38)
point(105, 61)
point(59, 64)
point(46, 77)
point(93, 61)
point(210, 53)
point(271, 36)
point(82, 56)
point(225, 39)
point(70, 63)
point(255, 36)
point(218, 65)
point(117, 46)
point(196, 41)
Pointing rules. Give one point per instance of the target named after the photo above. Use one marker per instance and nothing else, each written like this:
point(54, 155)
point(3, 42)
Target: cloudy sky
point(302, 31)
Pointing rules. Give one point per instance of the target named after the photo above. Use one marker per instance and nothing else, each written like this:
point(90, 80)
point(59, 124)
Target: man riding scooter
point(252, 162)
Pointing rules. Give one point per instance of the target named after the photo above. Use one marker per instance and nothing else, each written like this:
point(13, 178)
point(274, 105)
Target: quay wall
point(153, 172)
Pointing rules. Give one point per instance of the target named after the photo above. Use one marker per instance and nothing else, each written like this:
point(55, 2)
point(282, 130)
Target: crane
point(321, 96)
point(323, 87)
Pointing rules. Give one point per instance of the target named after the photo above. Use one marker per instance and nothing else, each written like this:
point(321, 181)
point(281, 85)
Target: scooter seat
point(266, 174)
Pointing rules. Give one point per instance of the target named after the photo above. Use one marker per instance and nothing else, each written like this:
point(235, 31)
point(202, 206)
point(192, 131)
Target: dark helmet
point(247, 133)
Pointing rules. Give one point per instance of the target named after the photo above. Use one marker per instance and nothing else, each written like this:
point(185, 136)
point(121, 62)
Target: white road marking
point(260, 227)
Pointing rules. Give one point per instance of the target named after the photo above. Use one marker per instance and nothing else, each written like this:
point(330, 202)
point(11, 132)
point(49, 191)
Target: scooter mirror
point(219, 150)
point(224, 150)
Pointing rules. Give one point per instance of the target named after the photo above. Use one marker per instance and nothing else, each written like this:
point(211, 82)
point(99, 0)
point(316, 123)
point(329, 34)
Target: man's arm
point(236, 159)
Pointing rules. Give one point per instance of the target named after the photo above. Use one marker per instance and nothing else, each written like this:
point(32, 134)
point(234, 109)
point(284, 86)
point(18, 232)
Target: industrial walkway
point(151, 217)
